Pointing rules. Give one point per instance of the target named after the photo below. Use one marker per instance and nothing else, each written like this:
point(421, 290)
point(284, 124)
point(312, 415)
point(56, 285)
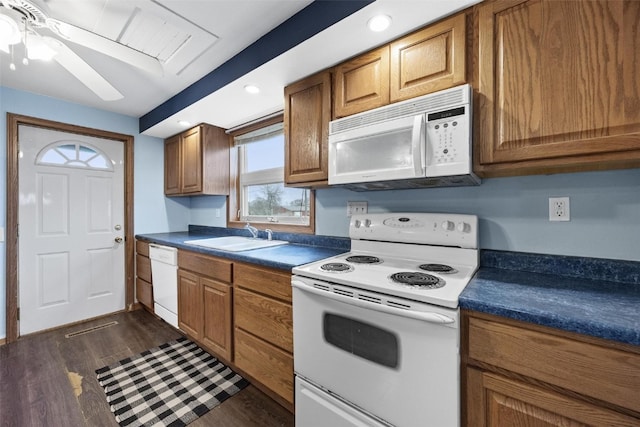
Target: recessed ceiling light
point(184, 123)
point(253, 89)
point(379, 23)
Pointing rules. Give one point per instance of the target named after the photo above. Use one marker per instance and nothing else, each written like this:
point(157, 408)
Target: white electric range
point(376, 330)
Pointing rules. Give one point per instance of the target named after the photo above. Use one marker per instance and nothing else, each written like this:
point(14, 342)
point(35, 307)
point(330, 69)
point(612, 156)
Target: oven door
point(399, 365)
point(394, 149)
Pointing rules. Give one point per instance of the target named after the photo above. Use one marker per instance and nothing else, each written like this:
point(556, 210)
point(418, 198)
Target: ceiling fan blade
point(82, 71)
point(107, 46)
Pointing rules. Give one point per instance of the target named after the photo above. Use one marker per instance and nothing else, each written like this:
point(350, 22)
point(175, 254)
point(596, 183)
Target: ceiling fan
point(28, 21)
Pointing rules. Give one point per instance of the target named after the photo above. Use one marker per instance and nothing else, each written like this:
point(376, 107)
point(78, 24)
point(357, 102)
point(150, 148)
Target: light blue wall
point(605, 206)
point(152, 211)
point(514, 212)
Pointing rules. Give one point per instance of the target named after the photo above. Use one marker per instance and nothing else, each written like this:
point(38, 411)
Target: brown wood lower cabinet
point(204, 301)
point(517, 374)
point(144, 288)
point(247, 322)
point(263, 331)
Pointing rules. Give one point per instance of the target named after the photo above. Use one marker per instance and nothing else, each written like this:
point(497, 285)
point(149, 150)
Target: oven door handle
point(425, 316)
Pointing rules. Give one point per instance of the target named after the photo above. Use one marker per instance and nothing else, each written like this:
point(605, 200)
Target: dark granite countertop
point(302, 249)
point(605, 304)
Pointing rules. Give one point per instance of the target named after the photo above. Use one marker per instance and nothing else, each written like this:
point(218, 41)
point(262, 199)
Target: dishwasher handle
point(430, 317)
point(164, 254)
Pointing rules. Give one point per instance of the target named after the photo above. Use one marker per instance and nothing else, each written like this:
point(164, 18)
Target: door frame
point(12, 206)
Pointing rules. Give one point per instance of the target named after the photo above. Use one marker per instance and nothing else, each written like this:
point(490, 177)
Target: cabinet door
point(192, 161)
point(264, 317)
point(217, 327)
point(362, 83)
point(558, 86)
point(189, 303)
point(266, 363)
point(172, 166)
point(429, 60)
point(307, 112)
point(496, 401)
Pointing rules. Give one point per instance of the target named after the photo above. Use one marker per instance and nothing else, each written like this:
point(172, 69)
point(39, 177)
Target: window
point(73, 154)
point(260, 195)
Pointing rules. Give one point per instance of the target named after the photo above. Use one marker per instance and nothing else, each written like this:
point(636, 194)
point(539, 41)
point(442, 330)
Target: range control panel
point(421, 228)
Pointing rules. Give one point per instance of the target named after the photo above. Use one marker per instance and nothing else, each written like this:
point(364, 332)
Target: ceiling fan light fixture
point(37, 49)
point(9, 33)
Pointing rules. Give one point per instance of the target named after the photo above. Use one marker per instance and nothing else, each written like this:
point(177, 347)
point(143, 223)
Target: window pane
point(69, 151)
point(276, 200)
point(85, 153)
point(265, 154)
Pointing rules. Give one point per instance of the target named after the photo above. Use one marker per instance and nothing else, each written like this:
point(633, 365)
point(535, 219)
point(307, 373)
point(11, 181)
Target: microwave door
point(391, 150)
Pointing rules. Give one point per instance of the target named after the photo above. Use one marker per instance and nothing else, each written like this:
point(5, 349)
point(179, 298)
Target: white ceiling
point(216, 31)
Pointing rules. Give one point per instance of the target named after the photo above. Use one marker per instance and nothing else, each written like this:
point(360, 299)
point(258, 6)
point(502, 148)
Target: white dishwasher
point(164, 270)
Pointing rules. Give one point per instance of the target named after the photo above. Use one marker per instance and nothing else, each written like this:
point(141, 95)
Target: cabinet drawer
point(270, 282)
point(266, 363)
point(205, 265)
point(601, 372)
point(142, 248)
point(264, 317)
point(144, 293)
point(143, 268)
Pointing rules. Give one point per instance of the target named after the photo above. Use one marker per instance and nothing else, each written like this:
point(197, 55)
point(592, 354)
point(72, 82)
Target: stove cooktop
point(400, 277)
point(418, 256)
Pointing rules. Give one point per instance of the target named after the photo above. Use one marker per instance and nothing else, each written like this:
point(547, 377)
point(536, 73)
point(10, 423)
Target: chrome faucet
point(269, 233)
point(252, 230)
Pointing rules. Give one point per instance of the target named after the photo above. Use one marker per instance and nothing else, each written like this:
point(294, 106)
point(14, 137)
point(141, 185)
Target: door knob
point(118, 239)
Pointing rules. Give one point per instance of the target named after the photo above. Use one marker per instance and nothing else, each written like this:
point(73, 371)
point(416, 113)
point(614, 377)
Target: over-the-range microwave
point(419, 143)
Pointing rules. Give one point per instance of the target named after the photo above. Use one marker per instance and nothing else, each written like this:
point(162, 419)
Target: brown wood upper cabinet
point(557, 86)
point(307, 111)
point(423, 62)
point(429, 60)
point(362, 83)
point(196, 162)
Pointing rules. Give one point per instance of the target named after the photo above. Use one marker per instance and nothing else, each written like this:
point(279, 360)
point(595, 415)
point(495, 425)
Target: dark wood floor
point(38, 374)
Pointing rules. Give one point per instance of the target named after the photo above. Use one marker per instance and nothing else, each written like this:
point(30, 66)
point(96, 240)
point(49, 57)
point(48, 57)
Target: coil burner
point(438, 268)
point(364, 259)
point(418, 280)
point(336, 267)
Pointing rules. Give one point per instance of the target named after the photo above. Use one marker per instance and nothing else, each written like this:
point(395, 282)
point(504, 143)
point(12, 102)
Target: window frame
point(235, 189)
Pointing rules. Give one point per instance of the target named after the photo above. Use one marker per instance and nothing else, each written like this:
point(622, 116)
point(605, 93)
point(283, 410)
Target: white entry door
point(71, 228)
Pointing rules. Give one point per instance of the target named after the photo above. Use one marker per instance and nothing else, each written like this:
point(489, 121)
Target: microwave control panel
point(449, 142)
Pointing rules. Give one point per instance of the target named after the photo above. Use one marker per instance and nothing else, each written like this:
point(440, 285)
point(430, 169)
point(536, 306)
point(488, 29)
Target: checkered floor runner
point(170, 385)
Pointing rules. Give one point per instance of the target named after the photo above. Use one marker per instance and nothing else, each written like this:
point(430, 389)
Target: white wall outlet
point(217, 213)
point(559, 209)
point(356, 208)
point(1, 234)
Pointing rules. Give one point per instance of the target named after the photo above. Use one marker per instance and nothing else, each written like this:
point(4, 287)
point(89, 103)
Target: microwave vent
point(443, 99)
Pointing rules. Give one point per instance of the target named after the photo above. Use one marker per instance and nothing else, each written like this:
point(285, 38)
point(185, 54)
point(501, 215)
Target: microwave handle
point(417, 137)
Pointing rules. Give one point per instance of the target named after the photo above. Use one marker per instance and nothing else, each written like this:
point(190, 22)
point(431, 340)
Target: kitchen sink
point(235, 243)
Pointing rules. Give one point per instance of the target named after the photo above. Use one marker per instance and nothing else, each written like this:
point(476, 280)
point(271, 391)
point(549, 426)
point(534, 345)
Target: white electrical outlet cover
point(559, 209)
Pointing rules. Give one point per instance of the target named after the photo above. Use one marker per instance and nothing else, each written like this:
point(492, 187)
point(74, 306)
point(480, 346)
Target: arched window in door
point(74, 154)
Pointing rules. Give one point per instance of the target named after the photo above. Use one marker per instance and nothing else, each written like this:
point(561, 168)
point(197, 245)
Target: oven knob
point(357, 223)
point(367, 223)
point(463, 227)
point(448, 226)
